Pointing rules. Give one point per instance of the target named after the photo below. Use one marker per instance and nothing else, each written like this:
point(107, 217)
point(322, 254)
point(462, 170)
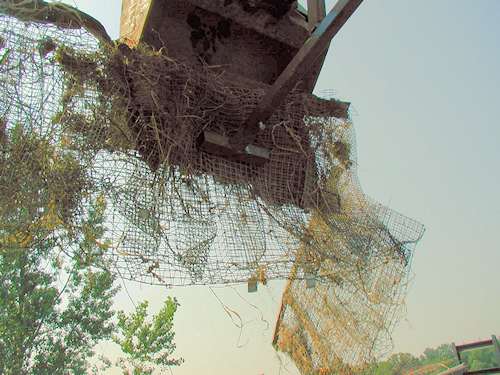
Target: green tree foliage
point(434, 361)
point(55, 293)
point(479, 359)
point(56, 290)
point(49, 324)
point(147, 344)
point(442, 354)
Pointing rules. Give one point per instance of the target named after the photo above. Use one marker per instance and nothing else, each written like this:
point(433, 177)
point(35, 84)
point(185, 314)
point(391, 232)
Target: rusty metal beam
point(221, 145)
point(474, 345)
point(316, 11)
point(300, 65)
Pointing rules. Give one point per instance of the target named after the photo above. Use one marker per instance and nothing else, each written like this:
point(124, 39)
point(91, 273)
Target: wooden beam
point(286, 293)
point(307, 325)
point(300, 65)
point(279, 320)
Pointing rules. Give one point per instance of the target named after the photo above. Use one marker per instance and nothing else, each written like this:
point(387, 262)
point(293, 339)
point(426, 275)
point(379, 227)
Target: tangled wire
point(81, 120)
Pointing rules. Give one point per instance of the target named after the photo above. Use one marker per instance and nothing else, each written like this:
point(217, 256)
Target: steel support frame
point(296, 70)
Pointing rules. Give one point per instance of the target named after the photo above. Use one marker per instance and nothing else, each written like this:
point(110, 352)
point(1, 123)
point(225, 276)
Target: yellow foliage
point(51, 220)
point(290, 341)
point(65, 141)
point(262, 275)
point(103, 245)
point(100, 204)
point(20, 239)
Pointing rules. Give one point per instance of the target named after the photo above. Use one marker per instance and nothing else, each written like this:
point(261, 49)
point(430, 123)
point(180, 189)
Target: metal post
point(457, 352)
point(316, 11)
point(496, 344)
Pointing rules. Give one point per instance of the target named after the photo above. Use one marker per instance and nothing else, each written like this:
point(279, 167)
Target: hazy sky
point(424, 81)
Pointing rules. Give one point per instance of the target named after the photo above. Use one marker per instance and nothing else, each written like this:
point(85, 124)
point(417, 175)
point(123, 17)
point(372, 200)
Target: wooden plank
point(300, 65)
point(307, 325)
point(286, 292)
point(134, 16)
point(279, 320)
point(216, 144)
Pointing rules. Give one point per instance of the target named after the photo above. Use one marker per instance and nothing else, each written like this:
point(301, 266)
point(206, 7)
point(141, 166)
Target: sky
point(423, 78)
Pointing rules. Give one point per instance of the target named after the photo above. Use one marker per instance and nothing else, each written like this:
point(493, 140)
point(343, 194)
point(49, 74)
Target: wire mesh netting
point(343, 321)
point(84, 121)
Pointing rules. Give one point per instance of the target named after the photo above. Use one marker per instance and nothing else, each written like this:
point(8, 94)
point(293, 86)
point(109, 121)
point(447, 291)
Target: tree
point(47, 327)
point(396, 364)
point(442, 354)
point(433, 361)
point(55, 290)
point(403, 362)
point(148, 345)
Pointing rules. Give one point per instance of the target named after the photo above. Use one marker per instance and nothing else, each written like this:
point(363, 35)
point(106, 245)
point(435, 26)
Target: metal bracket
point(252, 285)
point(217, 144)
